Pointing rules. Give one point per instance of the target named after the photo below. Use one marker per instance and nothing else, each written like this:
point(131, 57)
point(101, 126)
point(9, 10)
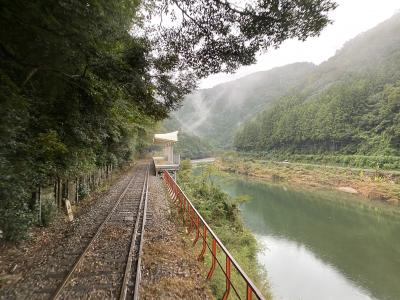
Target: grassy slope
point(372, 184)
point(222, 214)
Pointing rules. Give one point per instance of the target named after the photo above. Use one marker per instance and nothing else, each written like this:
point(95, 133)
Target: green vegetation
point(350, 106)
point(356, 161)
point(347, 118)
point(222, 214)
point(83, 82)
point(382, 162)
point(192, 147)
point(216, 113)
point(373, 184)
point(189, 146)
point(49, 210)
point(72, 97)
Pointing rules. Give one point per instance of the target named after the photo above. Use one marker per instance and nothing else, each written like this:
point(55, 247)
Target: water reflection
point(321, 245)
point(303, 275)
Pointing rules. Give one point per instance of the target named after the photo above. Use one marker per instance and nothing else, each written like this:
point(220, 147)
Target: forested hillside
point(350, 104)
point(75, 95)
point(189, 145)
point(214, 114)
point(82, 83)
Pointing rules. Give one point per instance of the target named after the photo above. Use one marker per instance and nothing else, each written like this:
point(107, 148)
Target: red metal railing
point(194, 220)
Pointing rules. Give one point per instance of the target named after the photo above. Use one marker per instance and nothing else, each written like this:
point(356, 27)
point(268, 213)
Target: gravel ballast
point(34, 269)
point(169, 266)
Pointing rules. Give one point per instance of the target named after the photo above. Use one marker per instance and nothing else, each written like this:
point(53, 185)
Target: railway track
point(109, 265)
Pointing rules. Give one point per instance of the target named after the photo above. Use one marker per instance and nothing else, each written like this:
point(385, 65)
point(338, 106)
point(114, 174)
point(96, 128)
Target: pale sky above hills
point(350, 18)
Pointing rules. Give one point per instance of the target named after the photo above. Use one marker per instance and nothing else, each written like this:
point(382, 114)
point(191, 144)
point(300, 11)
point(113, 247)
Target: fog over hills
point(216, 113)
point(349, 105)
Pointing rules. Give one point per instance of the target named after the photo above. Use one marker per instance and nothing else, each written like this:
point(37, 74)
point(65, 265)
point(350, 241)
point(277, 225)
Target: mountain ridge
point(204, 112)
point(216, 113)
point(350, 104)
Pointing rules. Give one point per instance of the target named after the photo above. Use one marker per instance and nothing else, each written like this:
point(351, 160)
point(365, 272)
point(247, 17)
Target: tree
point(81, 85)
point(208, 37)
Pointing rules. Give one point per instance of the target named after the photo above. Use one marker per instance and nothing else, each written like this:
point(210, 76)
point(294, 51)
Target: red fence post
point(203, 249)
point(189, 226)
point(190, 215)
point(177, 192)
point(191, 218)
point(197, 230)
point(173, 192)
point(181, 202)
point(249, 292)
point(228, 278)
point(214, 258)
point(183, 210)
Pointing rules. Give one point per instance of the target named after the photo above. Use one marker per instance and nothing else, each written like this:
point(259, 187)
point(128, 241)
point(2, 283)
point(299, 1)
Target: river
point(320, 245)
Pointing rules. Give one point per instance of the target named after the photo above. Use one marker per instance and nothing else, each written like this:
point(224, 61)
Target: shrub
point(185, 165)
point(357, 161)
point(15, 220)
point(83, 190)
point(49, 211)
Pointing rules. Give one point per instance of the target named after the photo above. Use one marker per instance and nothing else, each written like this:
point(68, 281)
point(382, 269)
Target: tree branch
point(31, 73)
point(228, 6)
point(191, 18)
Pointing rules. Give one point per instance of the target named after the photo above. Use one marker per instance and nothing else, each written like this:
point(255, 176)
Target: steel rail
point(187, 207)
point(141, 215)
point(138, 265)
point(66, 279)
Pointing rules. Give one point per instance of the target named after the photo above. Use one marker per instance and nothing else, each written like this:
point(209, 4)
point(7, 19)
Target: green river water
point(321, 245)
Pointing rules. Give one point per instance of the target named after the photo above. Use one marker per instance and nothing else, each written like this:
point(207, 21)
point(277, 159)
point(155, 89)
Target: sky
point(351, 18)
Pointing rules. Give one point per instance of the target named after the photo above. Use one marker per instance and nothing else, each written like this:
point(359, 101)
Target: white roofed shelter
point(169, 161)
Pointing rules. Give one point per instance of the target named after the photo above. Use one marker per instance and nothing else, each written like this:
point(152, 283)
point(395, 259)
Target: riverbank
point(222, 213)
point(345, 246)
point(383, 186)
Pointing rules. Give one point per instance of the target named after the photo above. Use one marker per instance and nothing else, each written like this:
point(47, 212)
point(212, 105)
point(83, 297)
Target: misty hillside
point(217, 112)
point(350, 103)
point(189, 145)
point(370, 53)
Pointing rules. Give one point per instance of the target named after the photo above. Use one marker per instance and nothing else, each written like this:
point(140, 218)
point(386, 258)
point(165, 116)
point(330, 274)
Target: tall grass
point(357, 161)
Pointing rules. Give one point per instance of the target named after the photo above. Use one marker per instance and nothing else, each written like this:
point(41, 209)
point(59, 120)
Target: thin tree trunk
point(40, 204)
point(76, 190)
